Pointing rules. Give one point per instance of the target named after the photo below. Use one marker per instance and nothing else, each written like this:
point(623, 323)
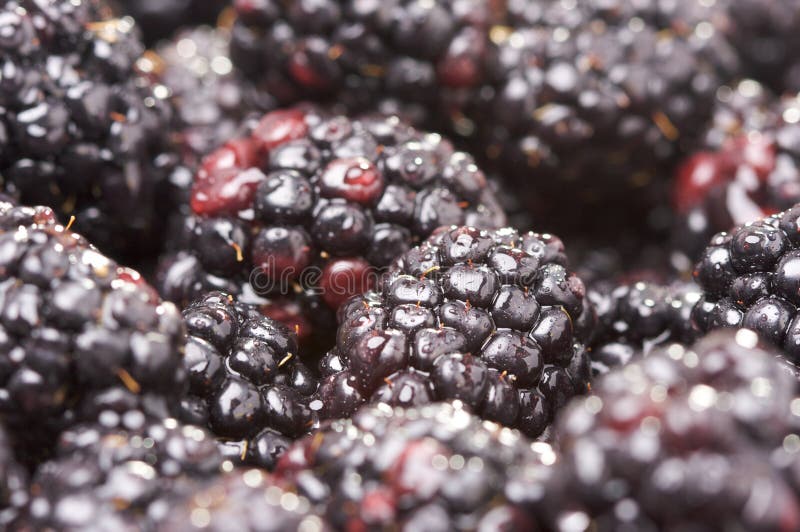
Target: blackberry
point(240, 500)
point(492, 318)
point(351, 52)
point(13, 482)
point(246, 380)
point(634, 318)
point(749, 279)
point(685, 439)
point(80, 130)
point(430, 468)
point(749, 167)
point(78, 333)
point(309, 204)
point(766, 35)
point(599, 98)
point(118, 474)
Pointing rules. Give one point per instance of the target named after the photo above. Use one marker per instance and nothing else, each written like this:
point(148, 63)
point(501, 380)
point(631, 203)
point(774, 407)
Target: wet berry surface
point(291, 265)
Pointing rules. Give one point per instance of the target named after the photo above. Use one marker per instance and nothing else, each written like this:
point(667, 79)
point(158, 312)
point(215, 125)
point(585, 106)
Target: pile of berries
point(399, 264)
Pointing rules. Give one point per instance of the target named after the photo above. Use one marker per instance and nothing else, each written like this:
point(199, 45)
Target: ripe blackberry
point(749, 278)
point(118, 474)
point(423, 52)
point(434, 467)
point(78, 333)
point(685, 439)
point(307, 205)
point(240, 500)
point(13, 482)
point(598, 98)
point(492, 318)
point(246, 380)
point(750, 167)
point(766, 35)
point(634, 318)
point(80, 130)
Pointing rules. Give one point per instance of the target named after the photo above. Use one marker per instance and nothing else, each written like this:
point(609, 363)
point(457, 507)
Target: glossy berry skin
point(308, 205)
point(159, 20)
point(661, 428)
point(119, 474)
point(79, 335)
point(633, 318)
point(491, 318)
point(246, 380)
point(81, 130)
point(750, 278)
point(434, 467)
point(749, 166)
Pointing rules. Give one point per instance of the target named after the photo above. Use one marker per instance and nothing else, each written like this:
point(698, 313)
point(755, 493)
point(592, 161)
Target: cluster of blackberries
point(352, 314)
point(302, 211)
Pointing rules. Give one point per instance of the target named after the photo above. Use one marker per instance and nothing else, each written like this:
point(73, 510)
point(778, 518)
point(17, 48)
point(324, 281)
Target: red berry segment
point(343, 278)
point(696, 177)
point(355, 179)
point(226, 191)
point(279, 127)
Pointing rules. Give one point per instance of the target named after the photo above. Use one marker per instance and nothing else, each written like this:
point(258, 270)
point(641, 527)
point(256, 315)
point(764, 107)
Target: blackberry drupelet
point(80, 130)
point(358, 52)
point(159, 19)
point(750, 279)
point(492, 318)
point(634, 318)
point(685, 439)
point(13, 482)
point(241, 500)
point(434, 467)
point(119, 474)
point(749, 167)
point(595, 100)
point(309, 204)
point(78, 333)
point(246, 380)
